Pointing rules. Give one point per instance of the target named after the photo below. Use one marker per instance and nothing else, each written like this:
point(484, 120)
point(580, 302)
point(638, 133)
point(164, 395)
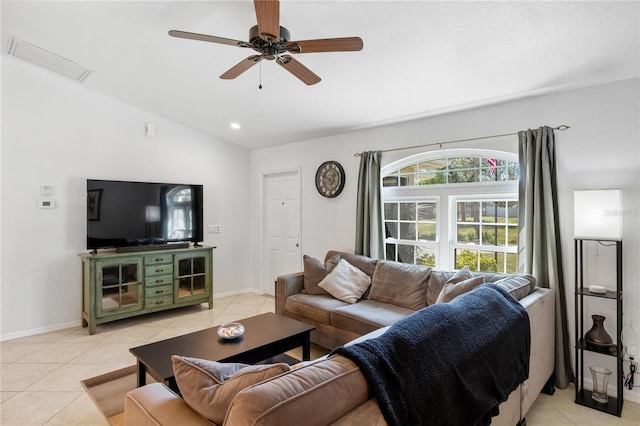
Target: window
point(453, 208)
point(180, 223)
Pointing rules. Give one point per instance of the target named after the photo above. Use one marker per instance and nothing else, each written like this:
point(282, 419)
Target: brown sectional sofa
point(335, 383)
point(397, 290)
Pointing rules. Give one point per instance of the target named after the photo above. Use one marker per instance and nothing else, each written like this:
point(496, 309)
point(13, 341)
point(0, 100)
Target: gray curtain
point(369, 235)
point(539, 251)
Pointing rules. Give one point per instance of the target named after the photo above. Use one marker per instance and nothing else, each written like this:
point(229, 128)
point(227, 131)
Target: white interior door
point(282, 227)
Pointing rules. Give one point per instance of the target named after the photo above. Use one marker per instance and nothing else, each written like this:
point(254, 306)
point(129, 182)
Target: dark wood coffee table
point(265, 336)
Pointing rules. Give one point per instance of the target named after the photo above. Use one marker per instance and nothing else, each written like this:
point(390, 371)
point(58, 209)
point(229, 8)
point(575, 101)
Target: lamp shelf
point(583, 397)
point(608, 295)
point(586, 346)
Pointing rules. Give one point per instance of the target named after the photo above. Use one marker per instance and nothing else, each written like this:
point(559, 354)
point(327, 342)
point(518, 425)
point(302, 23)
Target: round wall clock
point(330, 179)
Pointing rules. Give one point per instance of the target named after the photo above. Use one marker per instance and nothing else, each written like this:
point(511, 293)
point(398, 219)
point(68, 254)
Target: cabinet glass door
point(191, 276)
point(119, 287)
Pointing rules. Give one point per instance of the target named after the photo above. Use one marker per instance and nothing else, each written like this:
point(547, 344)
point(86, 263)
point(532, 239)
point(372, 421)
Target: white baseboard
point(237, 293)
point(41, 330)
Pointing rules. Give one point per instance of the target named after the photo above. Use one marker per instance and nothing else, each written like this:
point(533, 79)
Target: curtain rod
point(561, 127)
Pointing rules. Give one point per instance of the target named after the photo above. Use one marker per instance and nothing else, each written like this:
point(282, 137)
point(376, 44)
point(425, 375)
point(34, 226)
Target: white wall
point(58, 133)
point(601, 150)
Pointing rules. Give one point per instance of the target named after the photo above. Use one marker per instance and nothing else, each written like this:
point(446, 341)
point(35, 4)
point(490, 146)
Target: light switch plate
point(47, 204)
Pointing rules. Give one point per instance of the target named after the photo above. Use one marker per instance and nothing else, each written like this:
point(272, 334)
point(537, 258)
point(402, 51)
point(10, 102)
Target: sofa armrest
point(288, 285)
point(154, 404)
point(540, 305)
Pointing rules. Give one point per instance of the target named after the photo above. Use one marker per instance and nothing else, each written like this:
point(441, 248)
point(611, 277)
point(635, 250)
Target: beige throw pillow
point(315, 271)
point(346, 282)
point(208, 386)
point(462, 282)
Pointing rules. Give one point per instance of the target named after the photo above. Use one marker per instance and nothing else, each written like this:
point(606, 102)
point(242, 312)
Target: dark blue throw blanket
point(450, 363)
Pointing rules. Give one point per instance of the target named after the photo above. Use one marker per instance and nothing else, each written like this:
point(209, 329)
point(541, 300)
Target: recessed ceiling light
point(235, 125)
point(45, 59)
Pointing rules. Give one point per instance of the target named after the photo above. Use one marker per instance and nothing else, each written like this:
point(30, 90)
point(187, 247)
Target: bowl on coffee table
point(230, 330)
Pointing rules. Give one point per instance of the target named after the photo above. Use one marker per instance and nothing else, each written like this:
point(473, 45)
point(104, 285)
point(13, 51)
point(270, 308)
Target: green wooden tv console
point(121, 285)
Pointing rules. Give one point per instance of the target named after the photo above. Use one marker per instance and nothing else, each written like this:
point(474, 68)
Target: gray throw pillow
point(209, 386)
point(518, 285)
point(452, 290)
point(315, 271)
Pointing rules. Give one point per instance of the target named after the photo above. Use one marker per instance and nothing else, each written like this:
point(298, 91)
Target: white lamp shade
point(597, 214)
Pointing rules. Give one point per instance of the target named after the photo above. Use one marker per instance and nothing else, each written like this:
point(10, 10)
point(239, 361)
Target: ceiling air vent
point(45, 59)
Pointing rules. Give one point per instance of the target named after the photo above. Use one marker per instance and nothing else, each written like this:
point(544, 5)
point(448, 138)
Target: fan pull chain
point(260, 85)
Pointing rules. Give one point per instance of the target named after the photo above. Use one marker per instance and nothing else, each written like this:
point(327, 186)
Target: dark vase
point(598, 335)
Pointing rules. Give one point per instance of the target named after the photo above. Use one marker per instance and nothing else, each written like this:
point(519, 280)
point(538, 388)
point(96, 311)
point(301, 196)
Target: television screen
point(125, 214)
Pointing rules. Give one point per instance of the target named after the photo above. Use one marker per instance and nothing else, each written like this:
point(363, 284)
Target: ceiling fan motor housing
point(269, 49)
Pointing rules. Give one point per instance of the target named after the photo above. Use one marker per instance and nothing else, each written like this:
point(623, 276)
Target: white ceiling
point(420, 58)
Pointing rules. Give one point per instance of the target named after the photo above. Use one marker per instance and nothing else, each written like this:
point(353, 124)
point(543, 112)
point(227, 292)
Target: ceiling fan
point(272, 42)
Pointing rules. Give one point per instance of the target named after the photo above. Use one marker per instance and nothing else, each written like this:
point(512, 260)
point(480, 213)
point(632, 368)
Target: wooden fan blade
point(241, 67)
point(209, 38)
point(296, 68)
point(344, 44)
point(268, 15)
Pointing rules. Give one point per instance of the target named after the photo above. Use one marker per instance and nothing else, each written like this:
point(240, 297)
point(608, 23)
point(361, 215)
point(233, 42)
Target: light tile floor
point(40, 375)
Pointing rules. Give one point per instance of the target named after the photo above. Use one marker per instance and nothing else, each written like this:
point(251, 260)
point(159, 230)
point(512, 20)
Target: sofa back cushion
point(401, 284)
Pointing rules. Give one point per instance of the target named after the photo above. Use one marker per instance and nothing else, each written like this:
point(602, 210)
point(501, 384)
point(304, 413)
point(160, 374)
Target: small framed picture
point(93, 204)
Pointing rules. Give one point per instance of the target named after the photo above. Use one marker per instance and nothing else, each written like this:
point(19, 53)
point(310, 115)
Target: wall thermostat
point(46, 204)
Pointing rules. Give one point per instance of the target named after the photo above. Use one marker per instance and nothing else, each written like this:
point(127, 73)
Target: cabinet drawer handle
point(159, 291)
point(158, 281)
point(159, 270)
point(158, 259)
point(159, 302)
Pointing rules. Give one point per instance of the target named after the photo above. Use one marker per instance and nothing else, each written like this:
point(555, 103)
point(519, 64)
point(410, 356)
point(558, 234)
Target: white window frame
point(446, 195)
point(453, 219)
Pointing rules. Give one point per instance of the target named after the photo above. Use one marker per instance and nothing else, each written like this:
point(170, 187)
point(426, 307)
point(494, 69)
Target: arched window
point(179, 213)
point(453, 208)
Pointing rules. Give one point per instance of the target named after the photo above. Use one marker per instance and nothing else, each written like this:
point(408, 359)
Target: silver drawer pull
point(159, 270)
point(159, 302)
point(159, 281)
point(159, 291)
point(159, 259)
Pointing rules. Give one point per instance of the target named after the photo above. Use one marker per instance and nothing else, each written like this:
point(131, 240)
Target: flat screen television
point(142, 214)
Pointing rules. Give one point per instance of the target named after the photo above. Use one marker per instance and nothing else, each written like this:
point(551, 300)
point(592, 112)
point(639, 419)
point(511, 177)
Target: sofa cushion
point(315, 307)
point(346, 282)
point(401, 284)
point(367, 315)
point(518, 285)
point(208, 386)
point(315, 271)
point(461, 282)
